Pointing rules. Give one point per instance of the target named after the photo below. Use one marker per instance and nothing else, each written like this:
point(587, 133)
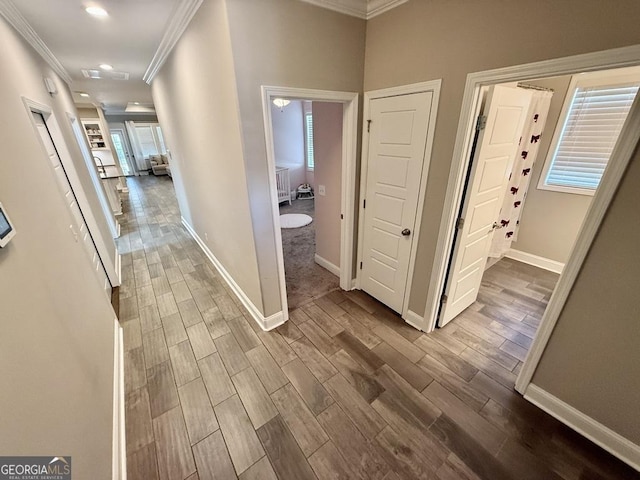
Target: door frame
point(434, 87)
point(628, 140)
point(127, 152)
point(112, 271)
point(348, 184)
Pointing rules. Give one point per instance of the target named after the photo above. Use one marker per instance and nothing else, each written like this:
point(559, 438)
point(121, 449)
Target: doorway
point(122, 152)
point(347, 190)
point(615, 168)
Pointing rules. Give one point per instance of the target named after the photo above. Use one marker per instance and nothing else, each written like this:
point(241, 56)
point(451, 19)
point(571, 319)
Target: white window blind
point(308, 124)
point(589, 134)
point(146, 140)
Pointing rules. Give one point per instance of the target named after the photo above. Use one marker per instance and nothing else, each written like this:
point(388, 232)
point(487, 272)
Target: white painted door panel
point(79, 227)
point(397, 141)
point(497, 146)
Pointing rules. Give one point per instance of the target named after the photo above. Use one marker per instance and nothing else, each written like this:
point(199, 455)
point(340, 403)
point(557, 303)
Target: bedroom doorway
point(311, 156)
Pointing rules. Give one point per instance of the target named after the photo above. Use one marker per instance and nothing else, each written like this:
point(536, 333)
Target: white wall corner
point(413, 319)
point(180, 19)
point(612, 442)
point(265, 323)
point(119, 445)
point(327, 265)
point(535, 260)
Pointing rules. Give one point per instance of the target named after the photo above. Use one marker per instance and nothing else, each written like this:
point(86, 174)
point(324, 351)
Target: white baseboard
point(119, 448)
point(118, 267)
point(266, 323)
point(328, 265)
point(413, 319)
point(535, 260)
point(606, 438)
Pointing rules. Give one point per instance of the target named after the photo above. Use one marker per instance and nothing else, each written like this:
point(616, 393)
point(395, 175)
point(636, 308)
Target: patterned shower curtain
point(518, 186)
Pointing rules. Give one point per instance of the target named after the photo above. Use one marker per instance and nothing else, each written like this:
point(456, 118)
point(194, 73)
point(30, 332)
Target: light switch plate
point(321, 190)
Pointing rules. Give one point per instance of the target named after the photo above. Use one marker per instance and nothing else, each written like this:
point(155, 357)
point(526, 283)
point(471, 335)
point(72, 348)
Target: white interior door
point(78, 226)
point(505, 111)
point(397, 141)
point(122, 151)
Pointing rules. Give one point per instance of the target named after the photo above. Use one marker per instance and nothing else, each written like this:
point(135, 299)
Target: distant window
point(595, 111)
point(308, 128)
point(150, 139)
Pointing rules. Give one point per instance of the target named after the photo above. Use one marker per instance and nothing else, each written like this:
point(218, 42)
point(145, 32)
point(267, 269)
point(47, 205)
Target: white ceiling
point(127, 39)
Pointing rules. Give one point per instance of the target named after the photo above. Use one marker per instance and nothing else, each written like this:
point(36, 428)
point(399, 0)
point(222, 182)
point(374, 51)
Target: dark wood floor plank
point(289, 332)
point(261, 470)
point(197, 410)
point(329, 306)
point(522, 464)
point(359, 313)
point(319, 338)
point(488, 350)
point(455, 469)
point(184, 363)
point(246, 337)
point(413, 374)
point(239, 435)
point(404, 457)
point(285, 455)
point(364, 383)
point(398, 342)
point(308, 387)
point(491, 368)
point(278, 347)
point(254, 397)
point(444, 337)
point(352, 445)
point(212, 458)
point(216, 379)
point(163, 395)
point(270, 374)
point(359, 352)
point(327, 463)
point(313, 359)
point(142, 464)
point(453, 362)
point(358, 330)
point(139, 429)
point(298, 316)
point(232, 355)
point(514, 350)
point(175, 459)
point(135, 373)
point(394, 321)
point(300, 420)
point(357, 409)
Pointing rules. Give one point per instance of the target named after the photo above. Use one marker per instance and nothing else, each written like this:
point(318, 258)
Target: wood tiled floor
point(344, 390)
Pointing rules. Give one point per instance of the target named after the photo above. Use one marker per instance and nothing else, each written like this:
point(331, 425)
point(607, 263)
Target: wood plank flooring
point(344, 390)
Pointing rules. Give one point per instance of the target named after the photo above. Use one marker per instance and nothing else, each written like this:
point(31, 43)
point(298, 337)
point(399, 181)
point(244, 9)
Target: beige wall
point(56, 347)
point(327, 141)
point(197, 105)
point(445, 39)
point(288, 141)
point(285, 43)
point(591, 361)
point(550, 220)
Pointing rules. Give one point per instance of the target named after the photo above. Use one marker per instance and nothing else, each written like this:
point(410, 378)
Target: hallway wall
point(56, 347)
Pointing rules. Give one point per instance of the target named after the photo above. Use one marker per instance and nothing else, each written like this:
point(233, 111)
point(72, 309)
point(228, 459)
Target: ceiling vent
point(95, 74)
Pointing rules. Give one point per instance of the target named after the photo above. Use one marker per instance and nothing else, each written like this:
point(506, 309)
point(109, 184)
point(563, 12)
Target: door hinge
point(459, 223)
point(444, 298)
point(364, 203)
point(360, 265)
point(481, 123)
point(368, 126)
point(341, 217)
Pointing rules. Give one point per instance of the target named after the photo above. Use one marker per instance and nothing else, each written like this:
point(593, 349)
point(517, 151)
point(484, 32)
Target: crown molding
point(378, 7)
point(11, 13)
point(182, 15)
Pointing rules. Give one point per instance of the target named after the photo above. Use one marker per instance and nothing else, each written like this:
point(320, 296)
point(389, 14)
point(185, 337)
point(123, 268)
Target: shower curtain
point(518, 185)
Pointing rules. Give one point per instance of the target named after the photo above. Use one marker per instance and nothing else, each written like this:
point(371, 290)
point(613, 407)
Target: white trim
point(365, 9)
point(266, 323)
point(616, 58)
point(433, 86)
point(378, 7)
point(612, 442)
point(11, 13)
point(327, 265)
point(180, 19)
point(118, 266)
point(535, 260)
point(119, 446)
point(413, 319)
point(349, 161)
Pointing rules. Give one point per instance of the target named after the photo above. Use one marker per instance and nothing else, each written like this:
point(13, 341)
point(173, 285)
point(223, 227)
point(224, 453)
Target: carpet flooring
point(305, 279)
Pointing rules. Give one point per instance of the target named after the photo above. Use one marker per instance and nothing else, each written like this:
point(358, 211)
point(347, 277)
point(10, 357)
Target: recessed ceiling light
point(106, 66)
point(84, 94)
point(136, 103)
point(97, 11)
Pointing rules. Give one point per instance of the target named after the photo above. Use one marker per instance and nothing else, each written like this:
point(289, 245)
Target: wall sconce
point(281, 103)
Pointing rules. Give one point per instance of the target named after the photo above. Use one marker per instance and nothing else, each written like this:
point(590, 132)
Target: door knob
point(406, 232)
point(494, 226)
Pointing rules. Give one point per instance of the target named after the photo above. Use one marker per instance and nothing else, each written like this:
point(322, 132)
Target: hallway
point(345, 389)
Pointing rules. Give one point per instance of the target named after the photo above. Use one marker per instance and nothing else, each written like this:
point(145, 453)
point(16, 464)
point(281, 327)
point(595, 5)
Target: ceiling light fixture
point(106, 66)
point(281, 103)
point(84, 94)
point(136, 103)
point(96, 11)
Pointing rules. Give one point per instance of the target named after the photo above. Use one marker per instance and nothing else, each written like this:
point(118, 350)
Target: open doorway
point(307, 140)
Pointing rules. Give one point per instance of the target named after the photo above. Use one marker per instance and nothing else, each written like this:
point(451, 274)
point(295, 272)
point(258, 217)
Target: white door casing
point(396, 156)
point(497, 145)
point(79, 226)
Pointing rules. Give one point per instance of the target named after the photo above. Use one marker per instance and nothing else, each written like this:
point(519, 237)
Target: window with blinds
point(590, 131)
point(308, 128)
